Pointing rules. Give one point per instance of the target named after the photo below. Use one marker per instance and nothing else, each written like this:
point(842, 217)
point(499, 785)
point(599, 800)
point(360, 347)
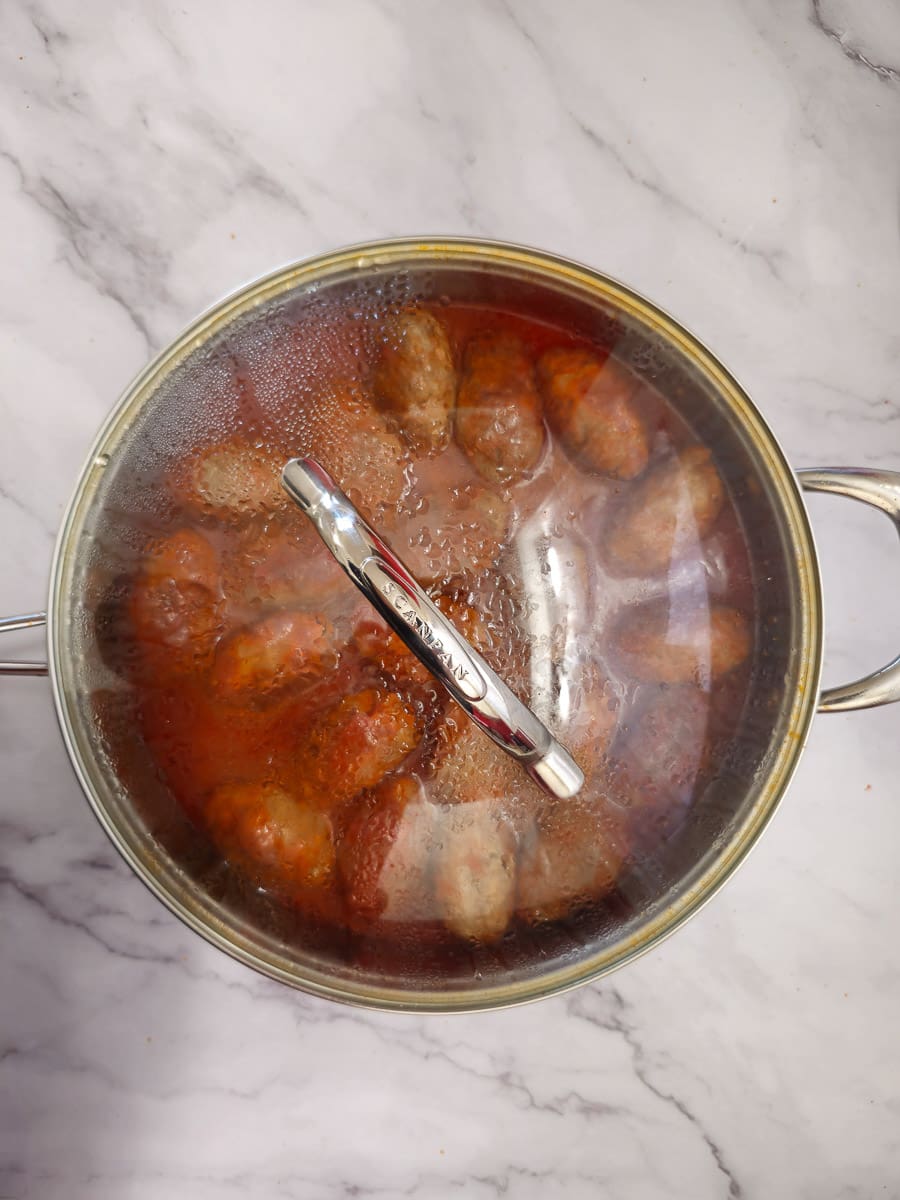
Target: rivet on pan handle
point(881, 489)
point(387, 584)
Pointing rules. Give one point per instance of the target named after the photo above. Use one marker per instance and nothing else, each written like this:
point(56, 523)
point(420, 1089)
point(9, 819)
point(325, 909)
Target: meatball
point(665, 513)
point(574, 855)
point(415, 378)
point(658, 645)
point(282, 649)
point(200, 743)
point(588, 402)
point(286, 566)
point(176, 606)
point(231, 480)
point(659, 753)
point(377, 643)
point(384, 854)
point(498, 411)
point(272, 836)
point(403, 671)
point(466, 618)
point(352, 441)
point(475, 871)
point(353, 745)
point(459, 531)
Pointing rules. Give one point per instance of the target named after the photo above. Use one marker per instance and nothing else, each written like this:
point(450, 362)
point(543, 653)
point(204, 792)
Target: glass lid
point(578, 495)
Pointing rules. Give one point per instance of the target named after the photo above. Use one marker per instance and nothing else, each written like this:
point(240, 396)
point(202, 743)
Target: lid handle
point(390, 588)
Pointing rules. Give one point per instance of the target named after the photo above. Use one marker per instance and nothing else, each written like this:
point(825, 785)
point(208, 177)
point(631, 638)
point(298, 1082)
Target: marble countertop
point(738, 163)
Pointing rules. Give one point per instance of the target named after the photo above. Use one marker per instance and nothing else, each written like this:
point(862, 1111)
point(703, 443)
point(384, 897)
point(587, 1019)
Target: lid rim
point(785, 487)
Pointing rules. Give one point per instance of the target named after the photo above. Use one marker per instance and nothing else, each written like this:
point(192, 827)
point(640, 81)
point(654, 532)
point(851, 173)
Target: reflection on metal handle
point(388, 585)
point(10, 625)
point(882, 490)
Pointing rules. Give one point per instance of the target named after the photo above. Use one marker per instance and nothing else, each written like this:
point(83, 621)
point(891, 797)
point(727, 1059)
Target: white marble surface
point(738, 162)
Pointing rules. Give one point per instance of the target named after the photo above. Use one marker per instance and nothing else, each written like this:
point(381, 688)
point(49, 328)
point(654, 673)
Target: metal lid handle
point(387, 584)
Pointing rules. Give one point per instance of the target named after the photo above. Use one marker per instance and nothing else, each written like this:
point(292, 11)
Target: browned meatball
point(384, 853)
point(231, 480)
point(498, 411)
point(200, 743)
point(574, 855)
point(665, 513)
point(352, 441)
point(459, 532)
point(286, 566)
point(353, 745)
point(471, 623)
point(659, 752)
point(276, 839)
point(475, 871)
point(377, 643)
point(658, 645)
point(177, 606)
point(588, 402)
point(415, 378)
point(280, 650)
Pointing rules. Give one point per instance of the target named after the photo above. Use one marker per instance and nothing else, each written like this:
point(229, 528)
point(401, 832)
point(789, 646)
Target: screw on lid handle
point(390, 588)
